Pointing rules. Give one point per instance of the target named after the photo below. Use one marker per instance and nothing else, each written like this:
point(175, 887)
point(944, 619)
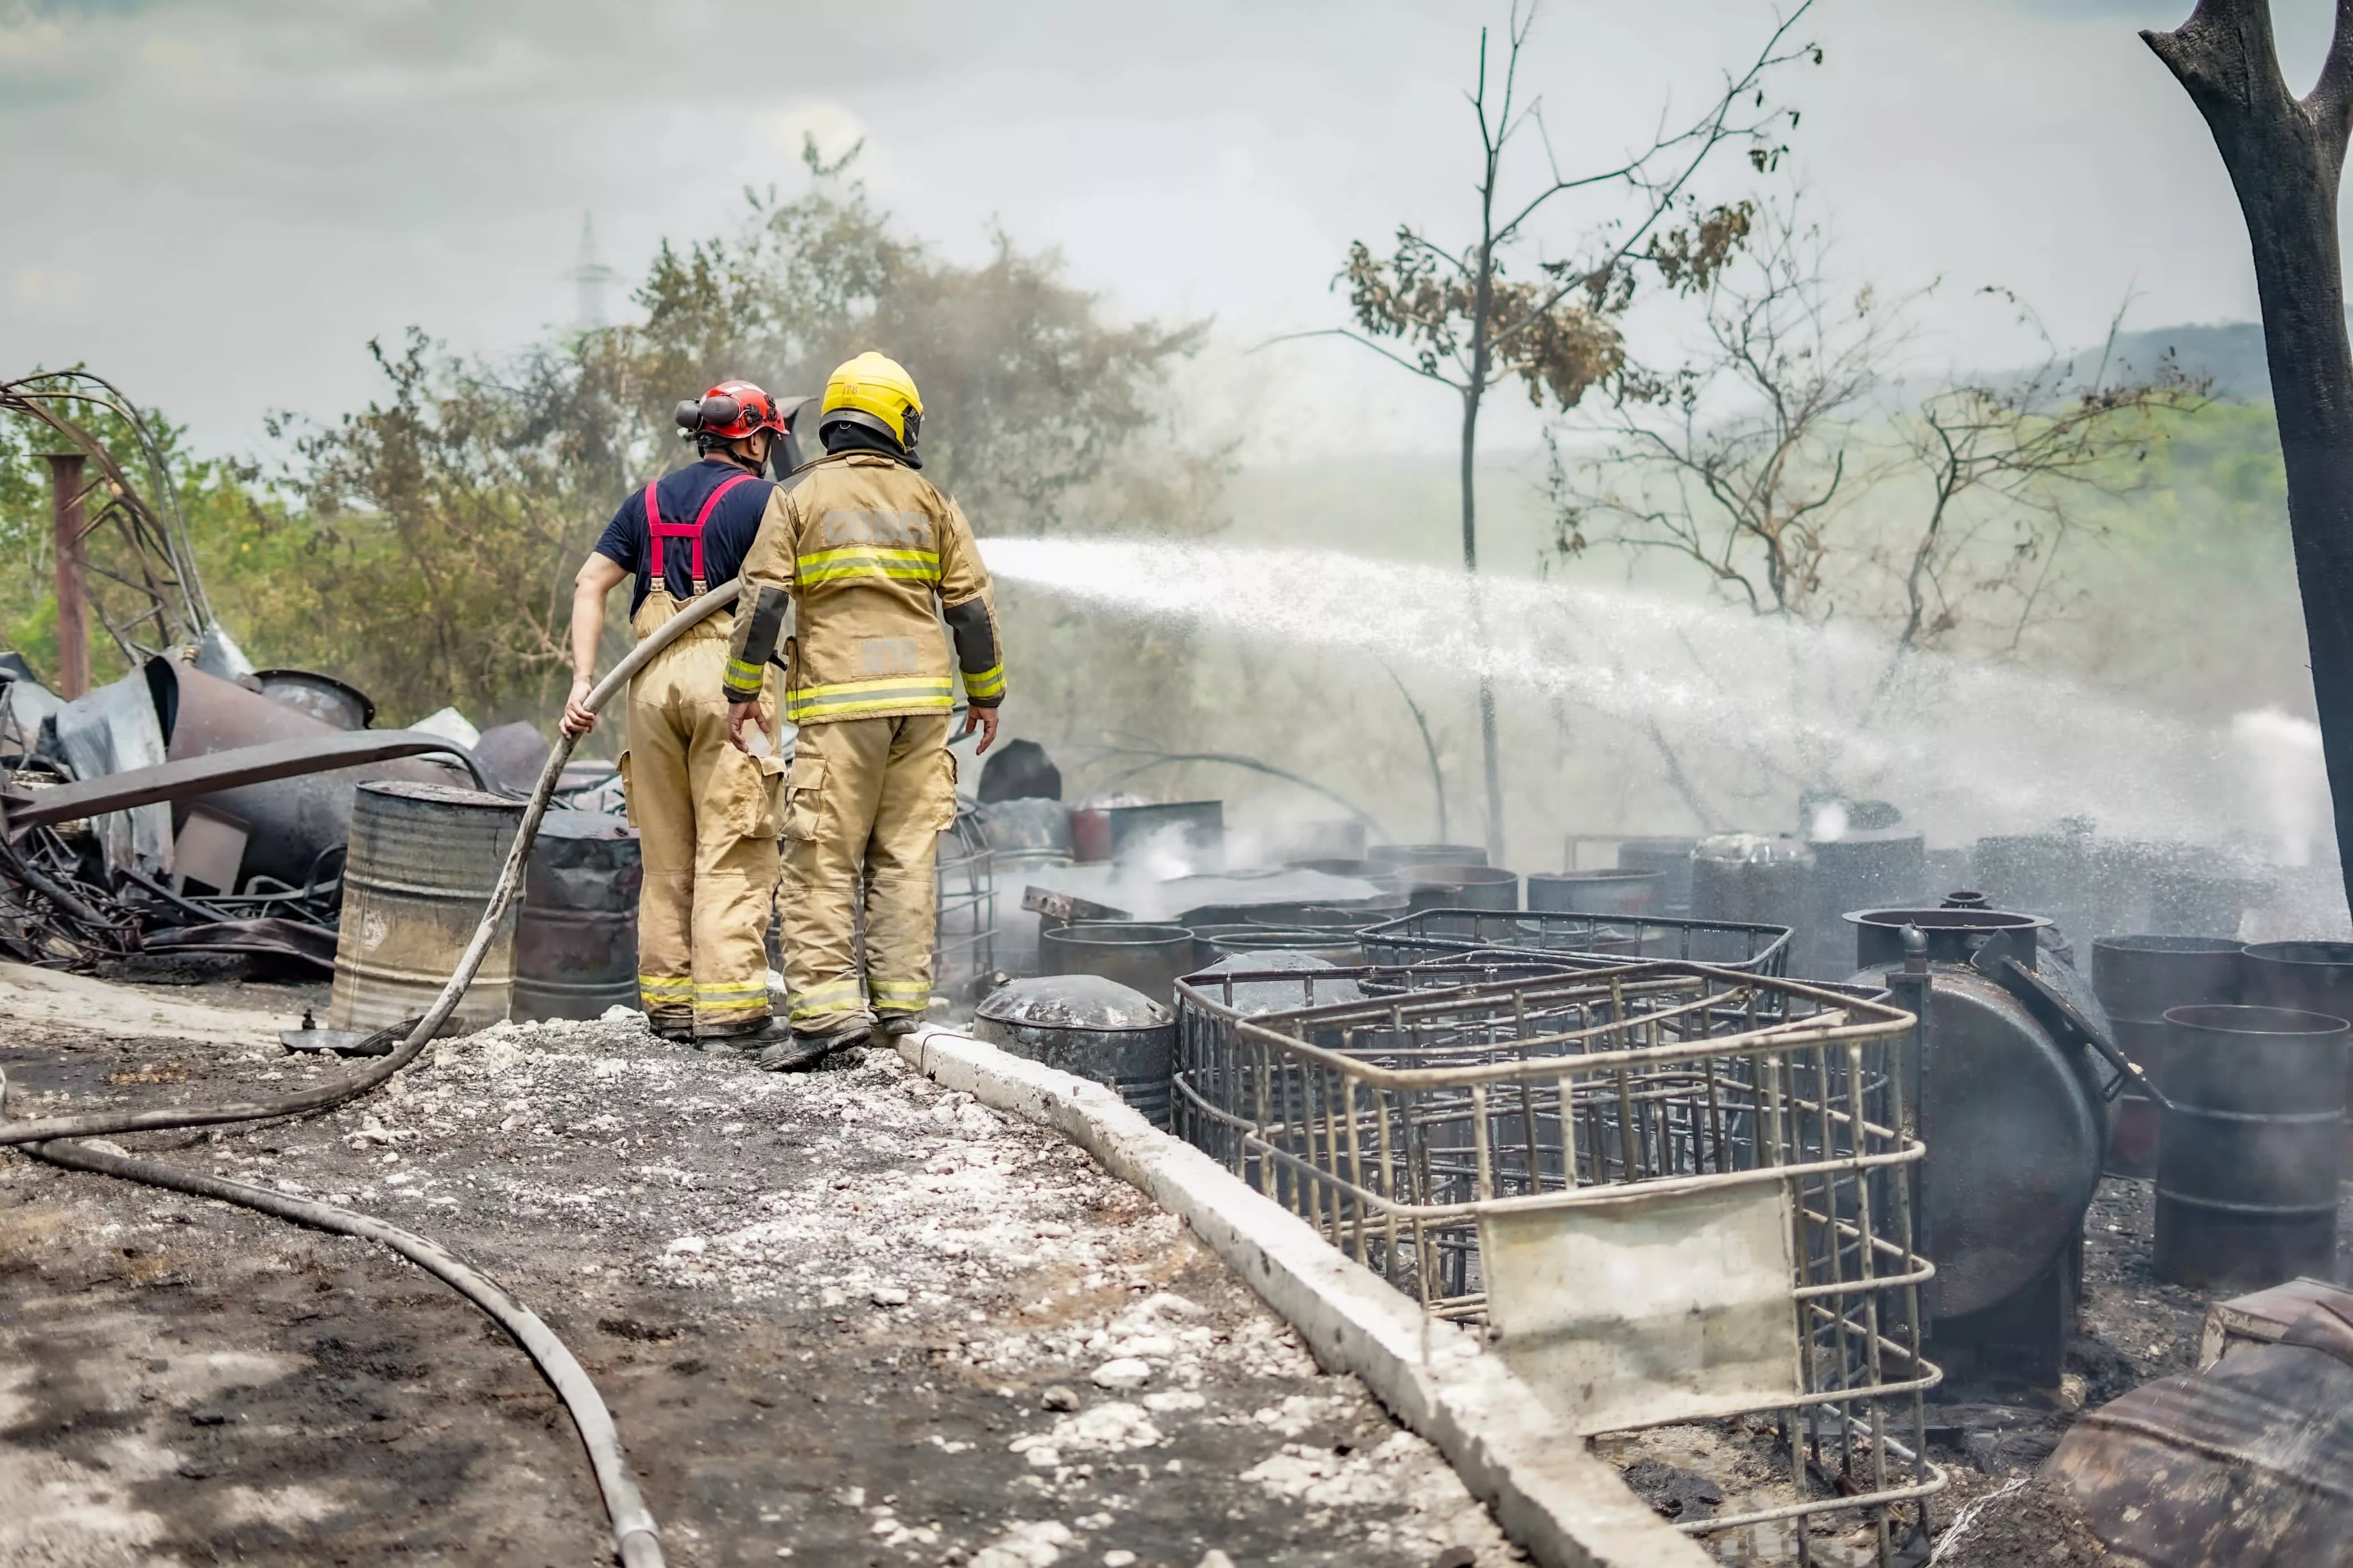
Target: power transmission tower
point(589, 277)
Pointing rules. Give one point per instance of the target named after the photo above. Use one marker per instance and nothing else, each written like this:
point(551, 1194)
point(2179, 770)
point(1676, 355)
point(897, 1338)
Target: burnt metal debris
point(191, 815)
point(2250, 1461)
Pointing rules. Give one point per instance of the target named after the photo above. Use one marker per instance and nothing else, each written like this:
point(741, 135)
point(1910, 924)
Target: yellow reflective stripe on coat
point(743, 675)
point(866, 560)
point(985, 684)
point(880, 694)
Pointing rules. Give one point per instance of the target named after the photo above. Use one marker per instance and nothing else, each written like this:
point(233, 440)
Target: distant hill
point(2231, 352)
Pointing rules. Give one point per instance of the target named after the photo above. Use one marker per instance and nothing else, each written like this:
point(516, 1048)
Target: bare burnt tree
point(1458, 316)
point(1786, 461)
point(1738, 459)
point(2286, 157)
point(2006, 465)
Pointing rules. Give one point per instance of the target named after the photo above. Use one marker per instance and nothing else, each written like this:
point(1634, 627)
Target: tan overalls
point(706, 819)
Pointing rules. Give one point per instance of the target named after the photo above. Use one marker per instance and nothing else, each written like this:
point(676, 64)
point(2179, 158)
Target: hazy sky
point(217, 202)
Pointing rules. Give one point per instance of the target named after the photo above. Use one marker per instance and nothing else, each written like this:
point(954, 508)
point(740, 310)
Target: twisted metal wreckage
point(198, 806)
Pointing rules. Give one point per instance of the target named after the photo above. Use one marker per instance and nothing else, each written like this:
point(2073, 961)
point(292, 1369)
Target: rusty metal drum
point(1089, 1027)
point(424, 858)
point(2247, 1160)
point(575, 945)
point(2138, 979)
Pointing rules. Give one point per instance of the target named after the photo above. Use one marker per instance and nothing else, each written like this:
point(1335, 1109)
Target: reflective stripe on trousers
point(864, 809)
point(706, 824)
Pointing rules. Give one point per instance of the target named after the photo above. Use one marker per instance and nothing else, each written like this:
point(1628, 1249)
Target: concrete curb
point(1551, 1495)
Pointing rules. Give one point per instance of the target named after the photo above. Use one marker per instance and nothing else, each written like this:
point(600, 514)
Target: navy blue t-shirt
point(726, 537)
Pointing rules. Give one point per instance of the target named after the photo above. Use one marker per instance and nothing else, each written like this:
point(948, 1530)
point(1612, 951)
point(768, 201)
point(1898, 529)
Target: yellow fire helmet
point(877, 392)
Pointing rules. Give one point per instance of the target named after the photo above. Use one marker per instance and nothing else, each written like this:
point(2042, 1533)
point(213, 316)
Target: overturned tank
point(2009, 1093)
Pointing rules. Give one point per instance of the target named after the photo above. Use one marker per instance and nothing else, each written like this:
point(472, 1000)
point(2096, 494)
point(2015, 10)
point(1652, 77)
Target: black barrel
point(1613, 891)
point(2247, 1161)
point(577, 939)
point(1091, 1027)
point(2311, 976)
point(1672, 859)
point(1379, 873)
point(1861, 869)
point(1146, 958)
point(1207, 935)
point(1334, 947)
point(1871, 869)
point(1482, 887)
point(1753, 879)
point(2138, 979)
point(1335, 917)
point(1395, 855)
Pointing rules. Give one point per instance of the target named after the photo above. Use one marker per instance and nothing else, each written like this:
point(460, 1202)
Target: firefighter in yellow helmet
point(871, 559)
point(705, 809)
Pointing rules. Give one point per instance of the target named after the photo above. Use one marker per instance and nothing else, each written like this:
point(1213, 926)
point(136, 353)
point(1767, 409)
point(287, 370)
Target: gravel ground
point(844, 1318)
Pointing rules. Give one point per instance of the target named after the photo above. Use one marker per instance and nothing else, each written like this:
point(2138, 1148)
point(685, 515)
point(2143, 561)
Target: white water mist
point(1965, 746)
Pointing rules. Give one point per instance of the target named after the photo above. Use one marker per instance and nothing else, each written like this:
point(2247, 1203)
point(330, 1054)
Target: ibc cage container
point(1668, 1191)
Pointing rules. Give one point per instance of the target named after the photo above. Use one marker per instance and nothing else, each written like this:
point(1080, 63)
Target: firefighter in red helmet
point(704, 808)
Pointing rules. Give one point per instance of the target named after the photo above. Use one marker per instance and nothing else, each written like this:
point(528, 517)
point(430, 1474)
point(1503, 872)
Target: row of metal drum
point(2247, 1046)
point(422, 861)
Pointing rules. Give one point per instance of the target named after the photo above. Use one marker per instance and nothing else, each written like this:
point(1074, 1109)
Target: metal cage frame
point(1726, 944)
point(963, 931)
point(1394, 1118)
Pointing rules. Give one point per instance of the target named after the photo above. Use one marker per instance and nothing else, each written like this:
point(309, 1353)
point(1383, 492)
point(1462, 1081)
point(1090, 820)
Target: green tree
point(437, 530)
point(1458, 316)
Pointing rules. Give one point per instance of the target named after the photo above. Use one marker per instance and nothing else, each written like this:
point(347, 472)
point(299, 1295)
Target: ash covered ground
point(842, 1318)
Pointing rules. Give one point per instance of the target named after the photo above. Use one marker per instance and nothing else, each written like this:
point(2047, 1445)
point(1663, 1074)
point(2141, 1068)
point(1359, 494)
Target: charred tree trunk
point(2286, 157)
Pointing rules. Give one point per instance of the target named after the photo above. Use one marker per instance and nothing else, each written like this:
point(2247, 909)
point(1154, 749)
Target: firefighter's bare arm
point(599, 575)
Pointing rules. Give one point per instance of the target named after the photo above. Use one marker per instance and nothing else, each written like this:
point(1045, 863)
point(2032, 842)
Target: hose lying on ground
point(634, 1538)
point(327, 1096)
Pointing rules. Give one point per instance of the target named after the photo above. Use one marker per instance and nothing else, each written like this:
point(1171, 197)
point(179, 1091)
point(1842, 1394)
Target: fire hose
point(635, 1540)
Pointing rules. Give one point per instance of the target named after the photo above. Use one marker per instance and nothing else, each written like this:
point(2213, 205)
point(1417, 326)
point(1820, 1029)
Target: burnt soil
point(840, 1318)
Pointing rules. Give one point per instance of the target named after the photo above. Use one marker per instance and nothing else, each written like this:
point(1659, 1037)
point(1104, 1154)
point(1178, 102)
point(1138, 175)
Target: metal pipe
point(73, 601)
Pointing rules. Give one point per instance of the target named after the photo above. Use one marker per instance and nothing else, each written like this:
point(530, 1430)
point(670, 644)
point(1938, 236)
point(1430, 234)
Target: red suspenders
point(660, 532)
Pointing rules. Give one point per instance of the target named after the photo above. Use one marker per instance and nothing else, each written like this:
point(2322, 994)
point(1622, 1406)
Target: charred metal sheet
point(293, 820)
point(220, 771)
point(1062, 905)
point(267, 935)
point(512, 754)
point(110, 731)
point(2264, 1317)
point(2251, 1461)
